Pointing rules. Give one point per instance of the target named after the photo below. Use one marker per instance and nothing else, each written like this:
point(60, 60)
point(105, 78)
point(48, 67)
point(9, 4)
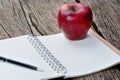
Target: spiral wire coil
point(46, 54)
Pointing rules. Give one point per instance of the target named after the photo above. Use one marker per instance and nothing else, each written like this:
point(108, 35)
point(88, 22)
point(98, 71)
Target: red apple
point(75, 19)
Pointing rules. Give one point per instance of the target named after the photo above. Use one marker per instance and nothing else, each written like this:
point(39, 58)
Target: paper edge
point(71, 76)
point(109, 45)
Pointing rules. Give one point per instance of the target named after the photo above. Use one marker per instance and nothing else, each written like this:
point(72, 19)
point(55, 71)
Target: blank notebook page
point(80, 57)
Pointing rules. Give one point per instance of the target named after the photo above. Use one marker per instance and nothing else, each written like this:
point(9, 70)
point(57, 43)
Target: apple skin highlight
point(75, 19)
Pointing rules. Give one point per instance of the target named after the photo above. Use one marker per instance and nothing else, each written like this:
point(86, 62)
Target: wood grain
point(107, 19)
point(12, 20)
point(42, 15)
point(20, 17)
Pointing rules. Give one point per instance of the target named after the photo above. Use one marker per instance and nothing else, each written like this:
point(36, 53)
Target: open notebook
point(56, 55)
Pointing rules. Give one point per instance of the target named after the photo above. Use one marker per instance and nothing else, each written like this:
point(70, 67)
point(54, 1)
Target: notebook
point(56, 56)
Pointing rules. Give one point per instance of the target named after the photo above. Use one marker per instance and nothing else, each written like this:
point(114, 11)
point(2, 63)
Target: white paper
point(80, 57)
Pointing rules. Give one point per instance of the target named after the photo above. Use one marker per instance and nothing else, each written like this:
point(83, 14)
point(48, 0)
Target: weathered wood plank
point(42, 15)
point(107, 18)
point(12, 20)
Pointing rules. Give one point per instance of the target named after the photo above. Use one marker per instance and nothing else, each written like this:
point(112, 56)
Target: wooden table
point(20, 17)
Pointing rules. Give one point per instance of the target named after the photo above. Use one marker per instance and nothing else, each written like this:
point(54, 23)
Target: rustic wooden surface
point(20, 17)
point(107, 19)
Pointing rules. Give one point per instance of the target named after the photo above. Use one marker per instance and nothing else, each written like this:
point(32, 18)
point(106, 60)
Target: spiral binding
point(46, 54)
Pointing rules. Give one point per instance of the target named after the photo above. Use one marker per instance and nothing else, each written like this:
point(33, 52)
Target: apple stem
point(73, 8)
point(78, 1)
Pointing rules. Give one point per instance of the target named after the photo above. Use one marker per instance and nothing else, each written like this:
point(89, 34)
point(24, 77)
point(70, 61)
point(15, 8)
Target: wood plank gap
point(26, 17)
point(35, 26)
point(97, 30)
point(78, 1)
